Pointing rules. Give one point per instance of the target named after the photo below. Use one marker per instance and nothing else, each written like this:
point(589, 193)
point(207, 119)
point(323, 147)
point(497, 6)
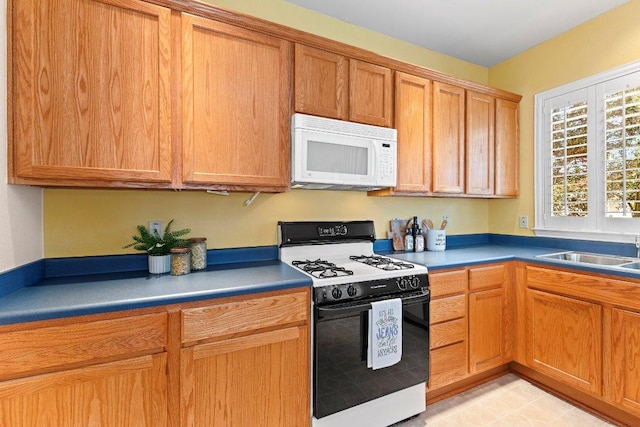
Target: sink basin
point(633, 265)
point(587, 258)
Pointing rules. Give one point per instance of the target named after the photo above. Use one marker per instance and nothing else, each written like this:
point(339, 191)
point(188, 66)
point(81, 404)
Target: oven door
point(341, 378)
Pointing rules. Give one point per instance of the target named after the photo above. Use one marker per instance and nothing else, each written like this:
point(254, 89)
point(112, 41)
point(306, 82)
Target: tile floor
point(508, 401)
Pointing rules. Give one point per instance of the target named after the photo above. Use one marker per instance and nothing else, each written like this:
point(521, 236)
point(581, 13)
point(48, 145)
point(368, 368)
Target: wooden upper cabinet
point(321, 82)
point(91, 89)
point(235, 98)
point(507, 149)
point(413, 122)
point(480, 130)
point(370, 93)
point(448, 138)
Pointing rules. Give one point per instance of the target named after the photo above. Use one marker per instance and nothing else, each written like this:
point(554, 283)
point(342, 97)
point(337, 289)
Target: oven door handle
point(349, 308)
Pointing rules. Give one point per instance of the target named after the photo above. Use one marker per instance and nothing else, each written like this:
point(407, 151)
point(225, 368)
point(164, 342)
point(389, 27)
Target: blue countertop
point(88, 294)
point(74, 296)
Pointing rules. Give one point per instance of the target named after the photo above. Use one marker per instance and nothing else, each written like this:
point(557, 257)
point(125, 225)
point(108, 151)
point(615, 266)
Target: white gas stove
point(347, 278)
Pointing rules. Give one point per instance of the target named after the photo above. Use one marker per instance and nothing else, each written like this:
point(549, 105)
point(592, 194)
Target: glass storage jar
point(180, 261)
point(198, 246)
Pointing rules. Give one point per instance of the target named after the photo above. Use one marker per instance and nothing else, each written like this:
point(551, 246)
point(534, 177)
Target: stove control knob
point(415, 282)
point(402, 283)
point(336, 293)
point(351, 291)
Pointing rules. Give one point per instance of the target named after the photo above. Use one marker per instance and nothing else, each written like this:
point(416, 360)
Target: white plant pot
point(159, 264)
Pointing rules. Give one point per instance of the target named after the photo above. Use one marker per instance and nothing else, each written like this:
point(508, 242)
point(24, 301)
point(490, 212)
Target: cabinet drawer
point(449, 308)
point(29, 351)
point(447, 283)
point(202, 323)
point(486, 277)
point(448, 364)
point(448, 333)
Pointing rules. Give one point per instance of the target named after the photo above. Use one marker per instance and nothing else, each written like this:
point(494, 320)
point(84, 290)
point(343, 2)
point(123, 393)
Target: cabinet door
point(507, 149)
point(369, 93)
point(487, 323)
point(321, 82)
point(448, 138)
point(480, 121)
point(235, 106)
point(256, 380)
point(565, 339)
point(625, 355)
point(130, 392)
point(413, 122)
point(92, 88)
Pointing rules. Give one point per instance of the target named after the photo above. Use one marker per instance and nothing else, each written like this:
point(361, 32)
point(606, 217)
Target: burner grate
point(381, 262)
point(321, 269)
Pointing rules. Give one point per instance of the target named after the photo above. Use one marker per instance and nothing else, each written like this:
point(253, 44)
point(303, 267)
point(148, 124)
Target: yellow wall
point(99, 222)
point(606, 42)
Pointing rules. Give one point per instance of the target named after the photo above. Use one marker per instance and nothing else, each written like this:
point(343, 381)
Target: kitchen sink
point(588, 258)
point(632, 265)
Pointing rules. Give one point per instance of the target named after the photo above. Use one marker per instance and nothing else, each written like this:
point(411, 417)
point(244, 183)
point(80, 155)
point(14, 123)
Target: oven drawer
point(448, 333)
point(448, 364)
point(449, 308)
point(448, 283)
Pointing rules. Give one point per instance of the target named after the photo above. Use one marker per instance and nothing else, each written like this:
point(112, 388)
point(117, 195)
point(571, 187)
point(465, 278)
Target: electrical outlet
point(155, 227)
point(524, 222)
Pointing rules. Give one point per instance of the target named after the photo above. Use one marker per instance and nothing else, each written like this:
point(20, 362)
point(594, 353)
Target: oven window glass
point(341, 377)
point(337, 158)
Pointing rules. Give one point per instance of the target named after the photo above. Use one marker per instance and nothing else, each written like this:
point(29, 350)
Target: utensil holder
point(436, 240)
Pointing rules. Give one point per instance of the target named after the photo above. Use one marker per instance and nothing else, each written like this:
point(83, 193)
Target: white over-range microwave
point(338, 155)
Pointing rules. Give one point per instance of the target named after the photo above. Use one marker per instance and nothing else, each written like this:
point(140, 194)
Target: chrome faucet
point(637, 246)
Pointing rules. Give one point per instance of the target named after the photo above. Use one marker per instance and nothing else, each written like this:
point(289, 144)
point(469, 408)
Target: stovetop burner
point(381, 262)
point(322, 269)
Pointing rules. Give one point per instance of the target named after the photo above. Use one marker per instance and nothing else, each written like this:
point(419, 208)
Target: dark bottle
point(415, 231)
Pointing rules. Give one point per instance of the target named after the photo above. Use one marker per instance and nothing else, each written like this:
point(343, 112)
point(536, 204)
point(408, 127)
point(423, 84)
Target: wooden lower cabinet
point(625, 359)
point(238, 361)
point(470, 324)
point(565, 339)
point(85, 371)
point(487, 330)
point(130, 392)
point(246, 362)
point(255, 380)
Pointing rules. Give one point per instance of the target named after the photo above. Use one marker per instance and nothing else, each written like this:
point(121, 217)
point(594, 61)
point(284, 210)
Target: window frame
point(596, 226)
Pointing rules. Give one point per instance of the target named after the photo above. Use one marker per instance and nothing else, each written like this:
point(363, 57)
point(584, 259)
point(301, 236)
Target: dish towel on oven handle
point(385, 333)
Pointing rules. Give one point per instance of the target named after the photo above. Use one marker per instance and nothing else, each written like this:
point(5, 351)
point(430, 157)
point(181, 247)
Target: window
point(587, 146)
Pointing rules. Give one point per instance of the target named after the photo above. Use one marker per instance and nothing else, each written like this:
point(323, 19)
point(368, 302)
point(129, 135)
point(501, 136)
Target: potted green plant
point(159, 247)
